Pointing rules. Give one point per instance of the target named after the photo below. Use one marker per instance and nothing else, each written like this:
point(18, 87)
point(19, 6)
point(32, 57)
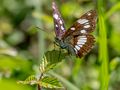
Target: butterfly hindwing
point(83, 44)
point(58, 22)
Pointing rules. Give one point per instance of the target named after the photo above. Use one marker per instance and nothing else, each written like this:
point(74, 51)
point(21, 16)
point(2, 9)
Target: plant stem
point(68, 84)
point(103, 53)
point(41, 76)
point(39, 87)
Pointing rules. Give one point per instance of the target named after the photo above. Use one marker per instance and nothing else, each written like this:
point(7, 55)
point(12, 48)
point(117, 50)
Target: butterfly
point(77, 39)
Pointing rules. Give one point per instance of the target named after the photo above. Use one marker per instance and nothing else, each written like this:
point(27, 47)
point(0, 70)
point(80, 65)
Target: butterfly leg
point(71, 51)
point(55, 44)
point(59, 54)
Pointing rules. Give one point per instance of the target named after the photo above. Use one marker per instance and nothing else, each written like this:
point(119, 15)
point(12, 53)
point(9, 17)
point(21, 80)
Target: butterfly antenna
point(42, 29)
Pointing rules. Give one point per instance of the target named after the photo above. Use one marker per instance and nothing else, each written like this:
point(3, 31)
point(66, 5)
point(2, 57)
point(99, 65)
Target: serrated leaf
point(43, 65)
point(50, 82)
point(50, 60)
point(54, 56)
point(30, 80)
point(49, 67)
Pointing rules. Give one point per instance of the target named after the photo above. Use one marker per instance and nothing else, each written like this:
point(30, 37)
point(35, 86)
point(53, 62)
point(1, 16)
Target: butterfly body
point(65, 44)
point(77, 39)
point(61, 43)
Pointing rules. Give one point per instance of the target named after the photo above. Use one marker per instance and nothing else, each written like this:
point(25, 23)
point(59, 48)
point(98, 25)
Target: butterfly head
point(60, 43)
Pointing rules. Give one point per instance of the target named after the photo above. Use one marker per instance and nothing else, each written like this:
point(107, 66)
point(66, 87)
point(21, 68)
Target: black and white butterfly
point(77, 39)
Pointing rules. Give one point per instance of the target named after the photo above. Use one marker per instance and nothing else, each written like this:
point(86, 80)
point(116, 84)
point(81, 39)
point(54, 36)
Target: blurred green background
point(22, 45)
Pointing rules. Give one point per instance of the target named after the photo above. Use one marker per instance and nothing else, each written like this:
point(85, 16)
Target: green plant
point(103, 53)
point(45, 80)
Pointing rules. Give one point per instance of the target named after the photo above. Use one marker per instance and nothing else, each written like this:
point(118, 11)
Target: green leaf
point(10, 84)
point(43, 65)
point(46, 66)
point(113, 9)
point(54, 56)
point(11, 63)
point(103, 49)
point(50, 82)
point(49, 67)
point(30, 80)
point(50, 60)
point(67, 84)
point(114, 63)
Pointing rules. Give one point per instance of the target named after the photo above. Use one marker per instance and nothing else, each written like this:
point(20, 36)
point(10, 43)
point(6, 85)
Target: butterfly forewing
point(85, 24)
point(58, 22)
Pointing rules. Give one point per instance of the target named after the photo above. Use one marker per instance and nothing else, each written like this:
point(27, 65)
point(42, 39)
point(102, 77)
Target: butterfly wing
point(83, 44)
point(78, 35)
point(85, 24)
point(58, 22)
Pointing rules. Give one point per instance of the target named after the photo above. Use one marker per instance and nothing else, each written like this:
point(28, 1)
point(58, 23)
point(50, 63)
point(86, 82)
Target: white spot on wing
point(72, 28)
point(82, 21)
point(80, 45)
point(53, 5)
point(83, 31)
point(89, 14)
point(55, 16)
point(84, 38)
point(86, 23)
point(86, 26)
point(75, 50)
point(62, 27)
point(77, 47)
point(82, 41)
point(61, 22)
point(56, 25)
